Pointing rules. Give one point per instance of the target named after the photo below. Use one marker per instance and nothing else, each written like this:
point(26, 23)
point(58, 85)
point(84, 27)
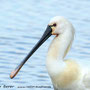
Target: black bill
point(45, 36)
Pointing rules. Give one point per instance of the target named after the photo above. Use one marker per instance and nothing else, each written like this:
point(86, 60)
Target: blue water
point(22, 23)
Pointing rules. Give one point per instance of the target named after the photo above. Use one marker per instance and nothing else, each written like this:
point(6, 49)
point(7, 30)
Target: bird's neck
point(60, 46)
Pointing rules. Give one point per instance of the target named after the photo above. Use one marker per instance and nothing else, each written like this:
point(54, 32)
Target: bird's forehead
point(57, 19)
point(53, 21)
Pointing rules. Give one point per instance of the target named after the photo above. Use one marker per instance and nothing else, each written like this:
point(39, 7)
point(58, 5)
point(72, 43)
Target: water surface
point(22, 22)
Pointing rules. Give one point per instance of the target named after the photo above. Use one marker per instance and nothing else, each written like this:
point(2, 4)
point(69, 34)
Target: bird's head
point(60, 25)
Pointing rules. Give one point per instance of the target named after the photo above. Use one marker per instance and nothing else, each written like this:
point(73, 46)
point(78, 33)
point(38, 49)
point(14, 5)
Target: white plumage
point(65, 74)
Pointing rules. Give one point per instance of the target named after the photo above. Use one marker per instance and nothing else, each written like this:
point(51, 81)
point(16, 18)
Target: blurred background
point(22, 23)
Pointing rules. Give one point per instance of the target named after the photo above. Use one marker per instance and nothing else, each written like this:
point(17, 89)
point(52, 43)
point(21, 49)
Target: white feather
point(65, 74)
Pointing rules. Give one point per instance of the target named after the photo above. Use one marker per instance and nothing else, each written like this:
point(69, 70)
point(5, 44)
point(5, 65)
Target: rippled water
point(22, 22)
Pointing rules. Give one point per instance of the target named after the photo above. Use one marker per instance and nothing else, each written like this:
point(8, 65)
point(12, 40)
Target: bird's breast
point(69, 74)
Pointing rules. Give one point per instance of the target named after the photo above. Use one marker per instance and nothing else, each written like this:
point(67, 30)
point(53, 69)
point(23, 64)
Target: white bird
point(66, 74)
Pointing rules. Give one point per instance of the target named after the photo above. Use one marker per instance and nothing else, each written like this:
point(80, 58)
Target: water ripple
point(23, 23)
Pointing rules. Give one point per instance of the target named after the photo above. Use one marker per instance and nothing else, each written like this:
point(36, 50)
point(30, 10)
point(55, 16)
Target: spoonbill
point(66, 74)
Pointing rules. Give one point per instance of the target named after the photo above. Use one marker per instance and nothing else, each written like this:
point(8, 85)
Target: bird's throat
point(59, 47)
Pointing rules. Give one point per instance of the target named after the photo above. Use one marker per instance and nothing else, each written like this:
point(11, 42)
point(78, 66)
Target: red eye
point(54, 24)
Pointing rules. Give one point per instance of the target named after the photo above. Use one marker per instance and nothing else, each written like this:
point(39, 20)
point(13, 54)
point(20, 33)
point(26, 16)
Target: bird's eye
point(54, 24)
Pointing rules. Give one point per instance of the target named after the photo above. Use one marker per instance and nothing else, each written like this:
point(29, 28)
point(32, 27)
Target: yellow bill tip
point(14, 73)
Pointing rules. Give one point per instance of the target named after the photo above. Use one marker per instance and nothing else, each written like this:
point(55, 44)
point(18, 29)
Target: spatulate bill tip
point(13, 73)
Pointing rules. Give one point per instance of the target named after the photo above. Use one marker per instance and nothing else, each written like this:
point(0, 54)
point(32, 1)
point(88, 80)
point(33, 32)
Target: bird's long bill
point(45, 36)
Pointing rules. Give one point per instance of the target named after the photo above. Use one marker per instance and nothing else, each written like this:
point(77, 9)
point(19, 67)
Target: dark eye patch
point(54, 24)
